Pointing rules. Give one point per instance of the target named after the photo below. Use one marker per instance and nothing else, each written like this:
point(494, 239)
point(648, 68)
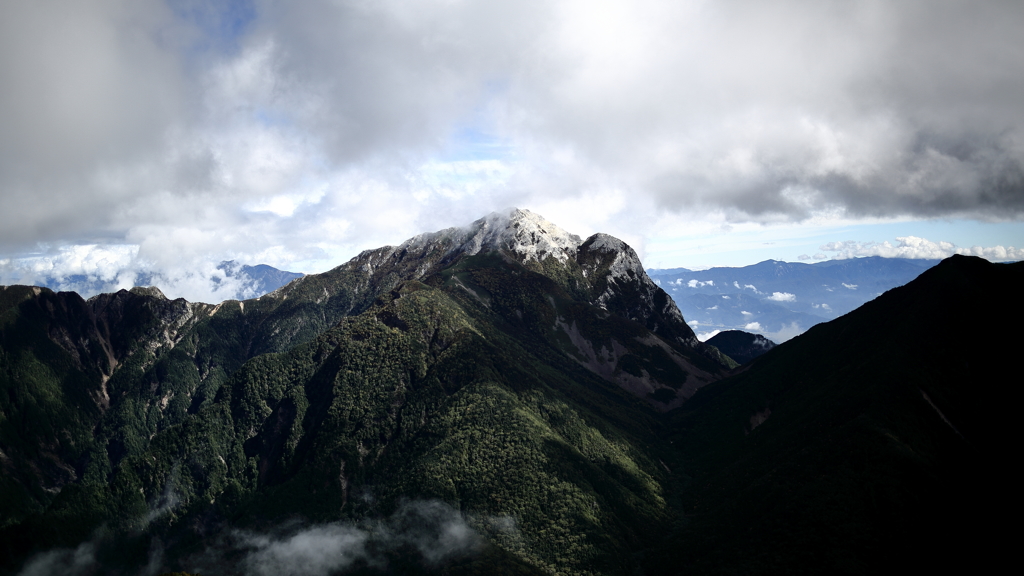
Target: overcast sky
point(167, 136)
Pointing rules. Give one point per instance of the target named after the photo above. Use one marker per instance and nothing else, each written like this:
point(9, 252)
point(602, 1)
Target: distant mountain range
point(252, 281)
point(781, 299)
point(257, 280)
point(502, 398)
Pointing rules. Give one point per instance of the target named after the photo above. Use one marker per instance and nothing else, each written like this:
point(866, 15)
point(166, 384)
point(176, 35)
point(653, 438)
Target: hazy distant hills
point(505, 398)
point(782, 299)
point(257, 280)
point(249, 281)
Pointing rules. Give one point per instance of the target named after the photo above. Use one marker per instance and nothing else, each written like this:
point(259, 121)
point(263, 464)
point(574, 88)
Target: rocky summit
point(504, 397)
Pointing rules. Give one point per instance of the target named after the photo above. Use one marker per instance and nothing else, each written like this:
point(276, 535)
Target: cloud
point(849, 286)
point(726, 298)
point(786, 332)
point(818, 256)
point(705, 336)
point(304, 132)
point(429, 532)
point(782, 297)
point(745, 313)
point(92, 269)
point(64, 561)
point(316, 551)
point(434, 530)
point(745, 286)
point(914, 247)
point(843, 128)
point(753, 326)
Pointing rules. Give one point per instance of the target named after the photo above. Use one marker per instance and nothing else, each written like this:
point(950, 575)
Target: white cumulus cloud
point(782, 297)
point(705, 336)
point(786, 332)
point(91, 269)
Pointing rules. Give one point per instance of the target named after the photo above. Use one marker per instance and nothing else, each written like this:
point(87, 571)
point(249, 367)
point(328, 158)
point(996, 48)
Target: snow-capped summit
point(523, 233)
point(514, 230)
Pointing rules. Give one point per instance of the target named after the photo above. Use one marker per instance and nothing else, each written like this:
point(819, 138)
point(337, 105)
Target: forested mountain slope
point(500, 398)
point(509, 371)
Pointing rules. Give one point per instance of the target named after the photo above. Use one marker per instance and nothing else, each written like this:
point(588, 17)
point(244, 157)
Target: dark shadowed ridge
point(741, 346)
point(873, 443)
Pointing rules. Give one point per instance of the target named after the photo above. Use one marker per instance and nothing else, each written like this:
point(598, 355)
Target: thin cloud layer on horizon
point(303, 132)
point(917, 248)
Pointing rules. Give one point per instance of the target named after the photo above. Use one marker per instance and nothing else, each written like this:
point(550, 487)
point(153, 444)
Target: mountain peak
point(521, 232)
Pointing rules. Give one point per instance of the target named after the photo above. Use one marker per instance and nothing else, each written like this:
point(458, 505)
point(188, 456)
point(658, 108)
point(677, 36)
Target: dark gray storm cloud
point(276, 130)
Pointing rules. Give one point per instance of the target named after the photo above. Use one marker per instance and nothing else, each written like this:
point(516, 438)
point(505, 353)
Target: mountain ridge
point(551, 410)
point(869, 443)
point(357, 380)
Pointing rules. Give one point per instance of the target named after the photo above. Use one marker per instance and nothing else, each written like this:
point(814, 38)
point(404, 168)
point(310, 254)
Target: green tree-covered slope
point(519, 387)
point(502, 398)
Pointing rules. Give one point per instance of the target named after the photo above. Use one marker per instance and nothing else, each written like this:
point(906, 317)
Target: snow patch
point(521, 232)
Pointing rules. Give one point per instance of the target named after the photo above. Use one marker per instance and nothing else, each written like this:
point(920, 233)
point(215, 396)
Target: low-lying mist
point(419, 535)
